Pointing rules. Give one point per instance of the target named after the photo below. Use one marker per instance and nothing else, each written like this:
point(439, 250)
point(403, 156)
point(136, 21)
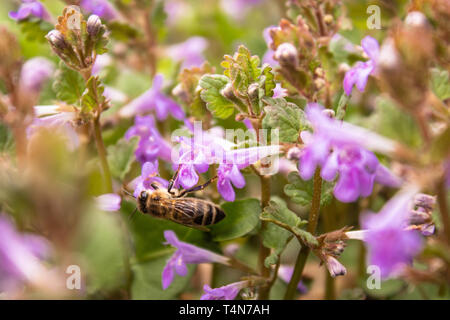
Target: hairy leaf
point(301, 192)
point(287, 117)
point(92, 97)
point(440, 83)
point(211, 94)
point(69, 85)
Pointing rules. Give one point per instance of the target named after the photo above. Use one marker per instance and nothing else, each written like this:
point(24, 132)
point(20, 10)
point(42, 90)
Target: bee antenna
point(132, 214)
point(127, 192)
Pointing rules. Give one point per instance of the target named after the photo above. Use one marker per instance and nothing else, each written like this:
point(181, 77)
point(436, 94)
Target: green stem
point(312, 225)
point(102, 154)
point(263, 251)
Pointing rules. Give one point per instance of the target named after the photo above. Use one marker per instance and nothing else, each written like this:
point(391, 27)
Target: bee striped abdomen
point(210, 213)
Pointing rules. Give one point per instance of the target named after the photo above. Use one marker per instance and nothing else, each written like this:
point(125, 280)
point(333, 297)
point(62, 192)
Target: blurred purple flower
point(285, 274)
point(279, 91)
point(149, 175)
point(154, 99)
point(34, 73)
point(20, 256)
point(390, 245)
point(30, 8)
point(102, 61)
point(355, 165)
point(101, 8)
point(359, 74)
point(189, 52)
point(228, 292)
point(58, 119)
point(185, 254)
point(108, 202)
point(238, 8)
point(151, 144)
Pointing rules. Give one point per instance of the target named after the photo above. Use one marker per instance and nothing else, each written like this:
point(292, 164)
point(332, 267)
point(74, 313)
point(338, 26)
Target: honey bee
point(191, 212)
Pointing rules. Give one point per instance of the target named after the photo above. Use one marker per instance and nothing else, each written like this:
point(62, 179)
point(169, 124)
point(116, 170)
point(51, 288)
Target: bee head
point(142, 201)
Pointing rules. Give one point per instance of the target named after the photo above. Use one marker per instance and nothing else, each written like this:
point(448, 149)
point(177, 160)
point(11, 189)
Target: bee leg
point(197, 188)
point(172, 181)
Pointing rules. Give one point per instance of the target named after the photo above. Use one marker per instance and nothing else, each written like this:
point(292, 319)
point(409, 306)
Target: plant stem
point(312, 225)
point(330, 287)
point(102, 154)
point(443, 208)
point(263, 251)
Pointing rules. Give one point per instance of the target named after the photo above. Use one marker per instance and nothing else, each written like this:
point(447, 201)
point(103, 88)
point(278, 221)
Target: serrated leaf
point(285, 116)
point(440, 83)
point(69, 85)
point(267, 79)
point(242, 216)
point(121, 156)
point(215, 102)
point(301, 192)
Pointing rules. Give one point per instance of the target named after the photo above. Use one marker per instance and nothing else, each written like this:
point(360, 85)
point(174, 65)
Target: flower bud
point(416, 19)
point(329, 113)
point(228, 93)
point(253, 91)
point(294, 153)
point(57, 40)
point(94, 25)
point(287, 55)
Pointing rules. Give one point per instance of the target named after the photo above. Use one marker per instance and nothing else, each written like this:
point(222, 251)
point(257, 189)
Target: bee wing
point(186, 210)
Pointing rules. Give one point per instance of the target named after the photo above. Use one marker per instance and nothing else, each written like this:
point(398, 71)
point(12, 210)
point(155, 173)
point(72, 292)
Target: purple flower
point(279, 91)
point(285, 274)
point(101, 8)
point(359, 74)
point(154, 99)
point(185, 254)
point(149, 175)
point(34, 73)
point(30, 8)
point(151, 143)
point(228, 292)
point(390, 245)
point(20, 256)
point(190, 52)
point(108, 202)
point(336, 155)
point(227, 174)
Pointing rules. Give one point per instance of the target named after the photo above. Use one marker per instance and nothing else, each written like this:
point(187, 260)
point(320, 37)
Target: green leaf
point(285, 116)
point(242, 216)
point(274, 236)
point(35, 29)
point(122, 31)
point(102, 247)
point(147, 280)
point(342, 106)
point(278, 213)
point(267, 78)
point(121, 156)
point(440, 83)
point(212, 85)
point(6, 139)
point(301, 192)
point(69, 85)
point(242, 69)
point(92, 97)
